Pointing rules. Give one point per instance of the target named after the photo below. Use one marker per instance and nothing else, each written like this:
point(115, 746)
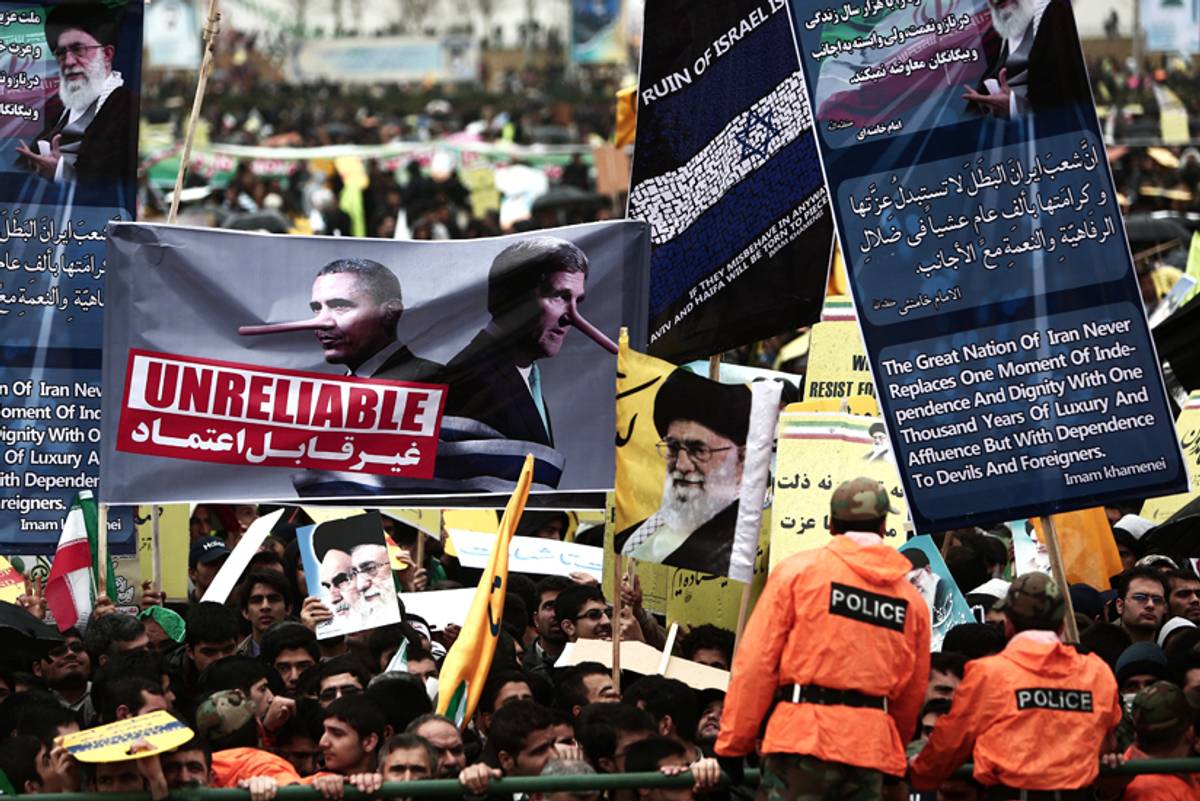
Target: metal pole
point(450, 788)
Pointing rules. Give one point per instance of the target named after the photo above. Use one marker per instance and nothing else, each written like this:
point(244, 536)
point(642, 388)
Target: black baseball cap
point(207, 550)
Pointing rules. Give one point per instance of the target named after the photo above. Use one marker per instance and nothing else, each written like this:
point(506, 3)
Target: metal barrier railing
point(544, 784)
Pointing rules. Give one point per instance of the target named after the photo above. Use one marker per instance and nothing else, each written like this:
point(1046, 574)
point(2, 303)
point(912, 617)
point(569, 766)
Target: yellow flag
point(1089, 552)
point(466, 667)
point(626, 116)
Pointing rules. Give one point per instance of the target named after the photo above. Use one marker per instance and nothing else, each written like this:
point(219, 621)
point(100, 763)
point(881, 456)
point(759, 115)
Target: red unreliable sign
point(246, 414)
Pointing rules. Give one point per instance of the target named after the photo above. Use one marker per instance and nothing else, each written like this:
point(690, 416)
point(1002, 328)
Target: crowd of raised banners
point(329, 426)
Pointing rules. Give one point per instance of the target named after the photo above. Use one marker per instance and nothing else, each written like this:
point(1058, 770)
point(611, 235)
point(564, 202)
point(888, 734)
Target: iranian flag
point(71, 586)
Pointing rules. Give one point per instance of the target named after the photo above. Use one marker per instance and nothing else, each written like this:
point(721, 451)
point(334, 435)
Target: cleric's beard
point(78, 95)
point(1012, 20)
point(686, 507)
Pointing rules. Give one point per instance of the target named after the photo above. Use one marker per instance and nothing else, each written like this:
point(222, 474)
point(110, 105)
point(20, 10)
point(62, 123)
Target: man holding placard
point(842, 638)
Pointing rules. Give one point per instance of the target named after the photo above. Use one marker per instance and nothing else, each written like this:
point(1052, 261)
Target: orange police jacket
point(1033, 717)
point(842, 617)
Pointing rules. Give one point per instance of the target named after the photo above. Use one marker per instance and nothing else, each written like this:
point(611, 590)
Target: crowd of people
point(271, 704)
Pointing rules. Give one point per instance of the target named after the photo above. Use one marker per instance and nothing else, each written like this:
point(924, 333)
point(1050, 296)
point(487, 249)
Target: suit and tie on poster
point(693, 462)
point(70, 72)
point(365, 368)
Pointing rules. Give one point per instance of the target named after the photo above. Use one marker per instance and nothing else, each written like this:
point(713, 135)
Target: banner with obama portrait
point(70, 73)
point(249, 366)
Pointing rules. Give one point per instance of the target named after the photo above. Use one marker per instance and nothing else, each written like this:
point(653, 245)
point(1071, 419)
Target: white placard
point(231, 572)
point(439, 608)
point(530, 554)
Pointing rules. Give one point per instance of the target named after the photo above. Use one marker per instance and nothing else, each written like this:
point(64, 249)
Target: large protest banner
point(463, 357)
point(726, 173)
point(989, 266)
point(68, 129)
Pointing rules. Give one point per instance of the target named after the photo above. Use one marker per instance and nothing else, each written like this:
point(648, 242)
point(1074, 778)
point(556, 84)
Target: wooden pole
point(156, 550)
point(743, 613)
point(714, 368)
point(102, 551)
point(211, 27)
point(421, 535)
point(616, 623)
point(1070, 629)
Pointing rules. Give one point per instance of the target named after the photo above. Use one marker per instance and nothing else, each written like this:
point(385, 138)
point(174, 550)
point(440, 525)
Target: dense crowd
point(272, 705)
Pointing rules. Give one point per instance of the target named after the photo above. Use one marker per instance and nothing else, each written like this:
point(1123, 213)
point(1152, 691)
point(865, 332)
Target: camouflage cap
point(1160, 711)
point(859, 499)
point(1034, 601)
point(223, 714)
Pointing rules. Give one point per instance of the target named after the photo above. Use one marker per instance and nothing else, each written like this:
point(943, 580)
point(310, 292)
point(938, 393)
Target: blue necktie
point(535, 389)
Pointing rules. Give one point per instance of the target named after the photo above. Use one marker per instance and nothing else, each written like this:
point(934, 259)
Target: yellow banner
point(12, 583)
point(837, 362)
point(111, 742)
point(1188, 428)
point(818, 451)
point(174, 541)
point(1089, 553)
point(685, 596)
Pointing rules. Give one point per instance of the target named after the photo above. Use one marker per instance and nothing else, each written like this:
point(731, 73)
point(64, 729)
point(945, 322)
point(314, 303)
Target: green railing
point(532, 784)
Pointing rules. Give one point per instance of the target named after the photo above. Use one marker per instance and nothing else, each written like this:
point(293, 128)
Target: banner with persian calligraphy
point(70, 72)
point(725, 171)
point(414, 369)
point(987, 257)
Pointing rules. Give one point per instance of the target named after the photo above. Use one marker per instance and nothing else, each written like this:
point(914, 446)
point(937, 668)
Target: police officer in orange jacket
point(1035, 716)
point(840, 640)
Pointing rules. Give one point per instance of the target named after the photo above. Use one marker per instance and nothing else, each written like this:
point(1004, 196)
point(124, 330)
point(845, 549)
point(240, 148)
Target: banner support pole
point(618, 579)
point(211, 27)
point(102, 551)
point(1070, 628)
point(420, 554)
point(155, 548)
point(743, 613)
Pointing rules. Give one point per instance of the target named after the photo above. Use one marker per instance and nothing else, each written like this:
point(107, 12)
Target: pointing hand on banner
point(996, 103)
point(46, 166)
